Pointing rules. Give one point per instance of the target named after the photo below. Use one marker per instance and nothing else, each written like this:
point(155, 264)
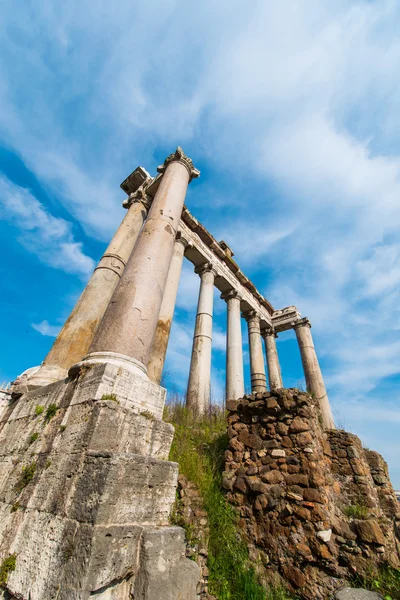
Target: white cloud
point(48, 237)
point(293, 106)
point(44, 328)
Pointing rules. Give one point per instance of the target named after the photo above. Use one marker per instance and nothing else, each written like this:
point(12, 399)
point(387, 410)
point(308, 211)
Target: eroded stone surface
point(85, 491)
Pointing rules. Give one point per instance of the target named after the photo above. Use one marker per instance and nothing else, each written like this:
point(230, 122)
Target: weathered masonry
point(86, 488)
point(117, 311)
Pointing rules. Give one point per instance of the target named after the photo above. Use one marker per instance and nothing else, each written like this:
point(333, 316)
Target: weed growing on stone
point(27, 475)
point(198, 447)
point(384, 580)
point(112, 397)
point(39, 409)
point(149, 415)
point(6, 567)
point(33, 437)
point(50, 412)
point(356, 511)
point(15, 507)
point(63, 428)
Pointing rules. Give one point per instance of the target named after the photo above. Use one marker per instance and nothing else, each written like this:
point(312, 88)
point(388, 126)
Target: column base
point(113, 358)
point(44, 375)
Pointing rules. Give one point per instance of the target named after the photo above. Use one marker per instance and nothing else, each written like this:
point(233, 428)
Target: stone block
point(165, 573)
point(131, 390)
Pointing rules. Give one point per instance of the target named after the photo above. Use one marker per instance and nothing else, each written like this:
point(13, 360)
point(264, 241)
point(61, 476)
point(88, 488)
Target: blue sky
point(289, 109)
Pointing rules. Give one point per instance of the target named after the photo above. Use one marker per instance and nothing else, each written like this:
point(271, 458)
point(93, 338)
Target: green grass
point(199, 447)
point(33, 437)
point(384, 580)
point(39, 409)
point(356, 511)
point(26, 477)
point(50, 412)
point(112, 397)
point(6, 567)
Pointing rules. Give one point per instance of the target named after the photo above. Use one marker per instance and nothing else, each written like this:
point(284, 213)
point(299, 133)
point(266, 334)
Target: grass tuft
point(6, 567)
point(27, 475)
point(199, 446)
point(385, 580)
point(33, 437)
point(356, 511)
point(148, 415)
point(39, 409)
point(50, 412)
point(112, 397)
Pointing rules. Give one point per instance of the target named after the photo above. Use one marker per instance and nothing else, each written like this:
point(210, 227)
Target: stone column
point(125, 334)
point(77, 334)
point(274, 370)
point(312, 371)
point(160, 342)
point(199, 385)
point(234, 350)
point(257, 368)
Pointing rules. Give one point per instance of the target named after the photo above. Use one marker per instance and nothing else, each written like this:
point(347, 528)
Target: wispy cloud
point(48, 237)
point(44, 328)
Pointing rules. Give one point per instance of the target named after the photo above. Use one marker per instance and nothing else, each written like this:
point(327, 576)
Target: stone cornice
point(180, 156)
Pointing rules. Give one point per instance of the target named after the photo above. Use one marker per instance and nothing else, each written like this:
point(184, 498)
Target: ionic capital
point(180, 156)
point(251, 315)
point(269, 331)
point(139, 196)
point(205, 268)
point(180, 237)
point(229, 295)
point(302, 323)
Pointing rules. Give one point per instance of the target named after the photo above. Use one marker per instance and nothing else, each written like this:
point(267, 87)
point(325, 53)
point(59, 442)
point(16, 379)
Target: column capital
point(302, 323)
point(205, 268)
point(230, 294)
point(269, 331)
point(180, 237)
point(180, 156)
point(139, 196)
point(250, 315)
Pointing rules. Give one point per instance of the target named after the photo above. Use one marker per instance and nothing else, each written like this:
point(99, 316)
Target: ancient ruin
point(85, 482)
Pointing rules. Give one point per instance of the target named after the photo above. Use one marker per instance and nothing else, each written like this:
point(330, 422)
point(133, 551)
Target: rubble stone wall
point(315, 507)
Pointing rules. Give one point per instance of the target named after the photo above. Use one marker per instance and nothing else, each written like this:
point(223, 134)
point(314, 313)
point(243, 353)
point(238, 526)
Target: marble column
point(161, 337)
point(234, 350)
point(314, 380)
point(126, 332)
point(257, 368)
point(199, 385)
point(274, 370)
point(77, 334)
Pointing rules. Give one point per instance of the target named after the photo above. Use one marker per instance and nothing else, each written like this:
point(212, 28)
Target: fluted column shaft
point(234, 350)
point(199, 385)
point(312, 371)
point(274, 370)
point(77, 334)
point(130, 321)
point(161, 337)
point(257, 368)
